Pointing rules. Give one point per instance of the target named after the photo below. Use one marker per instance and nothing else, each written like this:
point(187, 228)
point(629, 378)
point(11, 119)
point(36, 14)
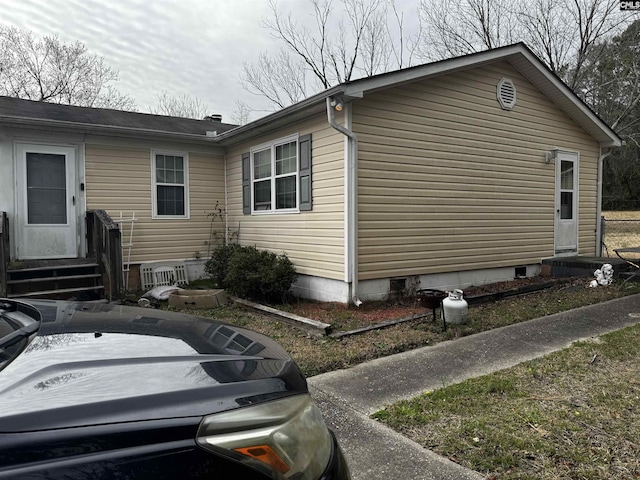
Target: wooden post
point(90, 221)
point(4, 252)
point(107, 245)
point(115, 262)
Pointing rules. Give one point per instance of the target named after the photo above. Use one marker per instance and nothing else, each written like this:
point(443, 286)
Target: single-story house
point(464, 171)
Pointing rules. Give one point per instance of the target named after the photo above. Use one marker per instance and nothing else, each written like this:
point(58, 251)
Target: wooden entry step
point(56, 279)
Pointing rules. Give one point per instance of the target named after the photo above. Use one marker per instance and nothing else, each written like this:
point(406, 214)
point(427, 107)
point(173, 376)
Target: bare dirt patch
point(317, 355)
point(341, 316)
point(344, 317)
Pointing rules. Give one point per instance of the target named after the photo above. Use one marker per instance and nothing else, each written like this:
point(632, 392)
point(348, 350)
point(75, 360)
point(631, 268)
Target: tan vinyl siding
point(314, 241)
point(448, 181)
point(120, 178)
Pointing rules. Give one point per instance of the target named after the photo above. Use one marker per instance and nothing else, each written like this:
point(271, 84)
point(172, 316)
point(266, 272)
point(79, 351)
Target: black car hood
point(93, 364)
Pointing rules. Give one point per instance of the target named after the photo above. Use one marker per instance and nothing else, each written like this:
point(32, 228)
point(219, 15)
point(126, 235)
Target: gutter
point(351, 199)
point(599, 202)
point(88, 128)
point(275, 119)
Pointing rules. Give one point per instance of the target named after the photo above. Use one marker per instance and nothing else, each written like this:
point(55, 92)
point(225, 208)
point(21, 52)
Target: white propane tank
point(455, 308)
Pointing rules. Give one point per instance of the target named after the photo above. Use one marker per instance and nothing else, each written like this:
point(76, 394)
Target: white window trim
point(272, 145)
point(154, 184)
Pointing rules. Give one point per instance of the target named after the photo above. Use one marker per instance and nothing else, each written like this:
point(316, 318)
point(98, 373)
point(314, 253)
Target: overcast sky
point(194, 47)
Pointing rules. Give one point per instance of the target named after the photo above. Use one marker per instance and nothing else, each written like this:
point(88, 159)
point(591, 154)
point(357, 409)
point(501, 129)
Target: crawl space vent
point(163, 273)
point(506, 94)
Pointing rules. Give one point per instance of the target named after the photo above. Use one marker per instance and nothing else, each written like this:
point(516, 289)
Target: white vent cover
point(506, 94)
point(152, 275)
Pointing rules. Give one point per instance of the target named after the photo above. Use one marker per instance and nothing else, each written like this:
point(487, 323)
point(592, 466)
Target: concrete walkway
point(348, 397)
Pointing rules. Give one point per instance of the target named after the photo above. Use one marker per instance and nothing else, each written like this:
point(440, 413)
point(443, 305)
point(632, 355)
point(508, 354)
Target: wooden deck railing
point(105, 245)
point(4, 252)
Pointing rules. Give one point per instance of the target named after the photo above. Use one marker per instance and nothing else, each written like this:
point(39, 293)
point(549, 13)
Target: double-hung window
point(277, 176)
point(170, 184)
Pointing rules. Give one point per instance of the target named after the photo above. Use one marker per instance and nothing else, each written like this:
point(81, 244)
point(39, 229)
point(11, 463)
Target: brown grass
point(316, 355)
point(622, 233)
point(569, 415)
point(622, 215)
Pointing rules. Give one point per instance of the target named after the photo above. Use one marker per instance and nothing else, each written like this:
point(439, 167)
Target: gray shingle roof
point(28, 109)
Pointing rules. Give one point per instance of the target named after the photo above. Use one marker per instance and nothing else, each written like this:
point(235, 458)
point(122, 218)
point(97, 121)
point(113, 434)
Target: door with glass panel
point(566, 225)
point(46, 215)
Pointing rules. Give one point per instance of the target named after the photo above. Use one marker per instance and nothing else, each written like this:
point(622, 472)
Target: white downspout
point(352, 201)
point(226, 204)
point(599, 202)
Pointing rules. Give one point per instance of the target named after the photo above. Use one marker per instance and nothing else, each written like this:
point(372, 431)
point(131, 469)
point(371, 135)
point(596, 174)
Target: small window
point(566, 190)
point(170, 185)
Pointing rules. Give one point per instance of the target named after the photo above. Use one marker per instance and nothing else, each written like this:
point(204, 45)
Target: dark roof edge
point(616, 140)
point(280, 115)
point(574, 107)
point(107, 129)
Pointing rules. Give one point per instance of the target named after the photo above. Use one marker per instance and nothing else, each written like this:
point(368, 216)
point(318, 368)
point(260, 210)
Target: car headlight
point(289, 435)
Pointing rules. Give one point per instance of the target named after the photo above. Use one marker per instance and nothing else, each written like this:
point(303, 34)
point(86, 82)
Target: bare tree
point(404, 47)
point(280, 78)
point(347, 39)
point(242, 113)
point(563, 33)
point(594, 20)
point(549, 30)
point(590, 44)
point(48, 70)
point(454, 28)
point(179, 106)
point(611, 86)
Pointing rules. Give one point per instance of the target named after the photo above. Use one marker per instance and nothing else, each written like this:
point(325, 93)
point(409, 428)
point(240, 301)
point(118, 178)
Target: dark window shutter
point(304, 159)
point(246, 183)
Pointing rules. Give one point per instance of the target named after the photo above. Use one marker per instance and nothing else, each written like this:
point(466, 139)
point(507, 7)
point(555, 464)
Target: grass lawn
point(622, 229)
point(317, 355)
point(622, 215)
point(569, 415)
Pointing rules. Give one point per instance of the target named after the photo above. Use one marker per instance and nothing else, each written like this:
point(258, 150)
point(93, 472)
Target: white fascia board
point(412, 74)
point(577, 106)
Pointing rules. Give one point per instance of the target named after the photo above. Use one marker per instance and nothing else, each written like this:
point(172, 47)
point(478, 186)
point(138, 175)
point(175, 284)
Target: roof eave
point(523, 59)
point(544, 79)
point(88, 128)
point(568, 101)
point(279, 118)
point(519, 55)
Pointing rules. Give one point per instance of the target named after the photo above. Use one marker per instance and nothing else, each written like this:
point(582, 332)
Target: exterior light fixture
point(551, 156)
point(337, 105)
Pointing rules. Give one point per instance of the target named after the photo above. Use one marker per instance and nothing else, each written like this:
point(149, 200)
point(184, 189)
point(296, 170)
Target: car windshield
point(17, 323)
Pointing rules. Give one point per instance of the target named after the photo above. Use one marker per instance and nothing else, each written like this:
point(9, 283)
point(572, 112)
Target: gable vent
point(506, 94)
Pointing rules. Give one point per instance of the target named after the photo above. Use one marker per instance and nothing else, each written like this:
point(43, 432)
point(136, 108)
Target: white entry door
point(46, 217)
point(566, 228)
